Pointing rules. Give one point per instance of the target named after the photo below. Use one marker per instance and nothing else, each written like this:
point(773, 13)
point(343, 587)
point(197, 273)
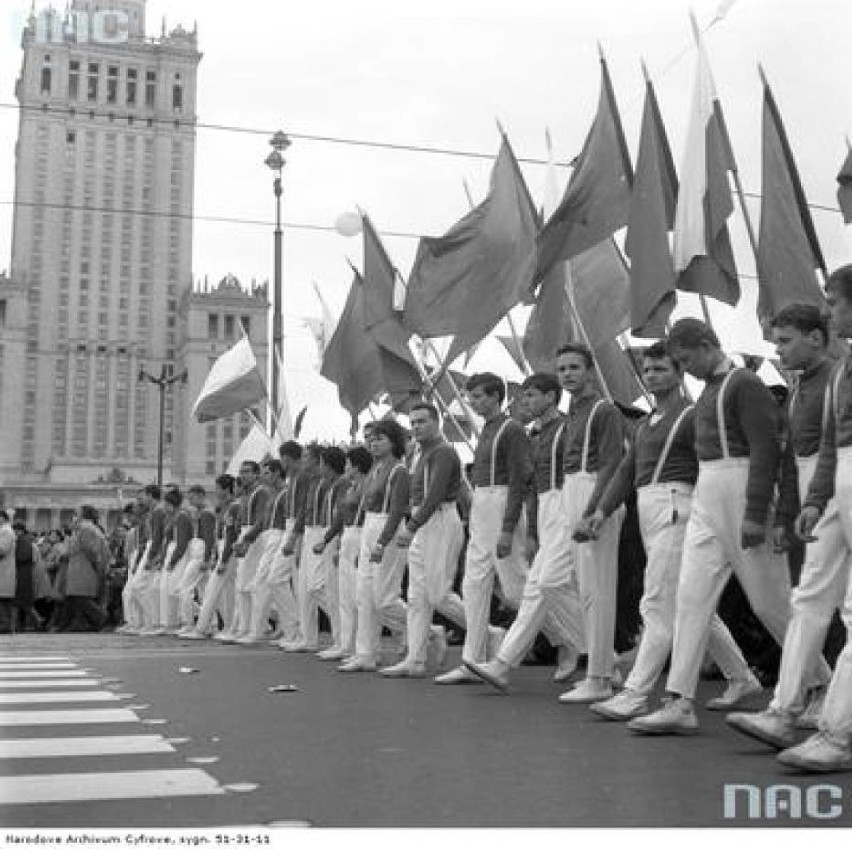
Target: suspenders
point(667, 447)
point(587, 438)
point(554, 450)
point(393, 471)
point(720, 414)
point(494, 446)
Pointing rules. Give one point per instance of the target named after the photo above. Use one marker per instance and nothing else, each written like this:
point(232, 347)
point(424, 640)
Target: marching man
point(201, 552)
point(550, 601)
point(434, 538)
point(737, 438)
point(502, 469)
point(801, 337)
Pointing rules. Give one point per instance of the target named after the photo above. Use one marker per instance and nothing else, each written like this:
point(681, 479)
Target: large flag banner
point(463, 283)
point(255, 447)
point(652, 210)
point(234, 384)
point(597, 200)
point(703, 258)
point(788, 249)
point(322, 328)
point(351, 358)
point(844, 188)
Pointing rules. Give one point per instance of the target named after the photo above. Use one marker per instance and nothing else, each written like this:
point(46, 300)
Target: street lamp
point(276, 162)
point(166, 379)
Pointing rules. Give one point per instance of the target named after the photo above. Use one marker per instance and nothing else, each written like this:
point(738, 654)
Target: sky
point(440, 75)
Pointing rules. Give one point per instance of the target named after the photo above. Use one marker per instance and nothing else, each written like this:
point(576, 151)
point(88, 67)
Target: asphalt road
point(352, 751)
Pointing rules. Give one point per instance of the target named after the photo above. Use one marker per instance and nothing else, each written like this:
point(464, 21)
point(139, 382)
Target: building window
point(150, 89)
point(132, 76)
point(212, 326)
point(46, 78)
point(93, 83)
point(112, 84)
point(73, 80)
point(229, 327)
point(177, 98)
point(2, 314)
point(246, 323)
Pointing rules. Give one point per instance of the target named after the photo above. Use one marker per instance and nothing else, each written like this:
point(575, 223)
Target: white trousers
point(273, 588)
point(482, 564)
point(379, 589)
point(218, 598)
point(596, 565)
point(837, 712)
point(191, 579)
point(663, 540)
point(259, 586)
point(551, 599)
point(244, 581)
point(169, 583)
point(131, 602)
point(318, 574)
point(433, 559)
point(820, 591)
point(711, 552)
point(350, 546)
point(148, 589)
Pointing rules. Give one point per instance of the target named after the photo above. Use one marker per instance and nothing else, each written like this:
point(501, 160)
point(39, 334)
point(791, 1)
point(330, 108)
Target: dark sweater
point(441, 461)
point(387, 490)
point(752, 422)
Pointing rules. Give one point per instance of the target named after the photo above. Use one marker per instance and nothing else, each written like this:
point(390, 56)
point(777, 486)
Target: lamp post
point(166, 379)
point(276, 162)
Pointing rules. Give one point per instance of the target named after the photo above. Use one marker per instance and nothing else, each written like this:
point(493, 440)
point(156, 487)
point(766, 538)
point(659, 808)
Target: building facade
point(100, 284)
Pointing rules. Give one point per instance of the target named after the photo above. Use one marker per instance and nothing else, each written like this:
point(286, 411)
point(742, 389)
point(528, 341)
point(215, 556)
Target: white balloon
point(348, 224)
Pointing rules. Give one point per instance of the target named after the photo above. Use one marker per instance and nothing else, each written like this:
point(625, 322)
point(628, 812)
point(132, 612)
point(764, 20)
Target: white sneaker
point(623, 706)
point(193, 635)
point(459, 675)
point(772, 726)
point(357, 664)
point(404, 670)
point(735, 694)
point(333, 653)
point(247, 640)
point(819, 753)
point(490, 674)
point(588, 691)
point(676, 716)
point(809, 719)
point(299, 647)
point(566, 665)
point(225, 636)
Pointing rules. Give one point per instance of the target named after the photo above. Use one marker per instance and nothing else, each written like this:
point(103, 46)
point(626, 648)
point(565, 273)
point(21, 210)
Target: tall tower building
point(101, 250)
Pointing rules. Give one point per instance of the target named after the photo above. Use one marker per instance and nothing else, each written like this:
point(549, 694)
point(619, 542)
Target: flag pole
point(569, 290)
point(444, 367)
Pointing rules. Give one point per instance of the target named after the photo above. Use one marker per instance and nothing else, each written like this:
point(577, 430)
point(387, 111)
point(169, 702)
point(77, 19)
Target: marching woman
point(174, 565)
point(348, 522)
point(381, 562)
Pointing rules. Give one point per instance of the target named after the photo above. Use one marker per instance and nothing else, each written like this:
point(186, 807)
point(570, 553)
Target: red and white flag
point(234, 384)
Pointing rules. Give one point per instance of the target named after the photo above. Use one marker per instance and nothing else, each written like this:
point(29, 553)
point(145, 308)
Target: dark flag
point(844, 189)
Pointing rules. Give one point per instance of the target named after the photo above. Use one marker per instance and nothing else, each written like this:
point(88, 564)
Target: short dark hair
point(690, 333)
point(491, 384)
point(274, 466)
point(659, 351)
point(314, 450)
point(4, 516)
point(425, 405)
point(840, 280)
point(251, 464)
point(360, 458)
point(544, 382)
point(334, 458)
point(580, 350)
point(290, 449)
point(803, 317)
point(226, 482)
point(395, 433)
point(197, 489)
point(89, 513)
point(154, 491)
point(173, 497)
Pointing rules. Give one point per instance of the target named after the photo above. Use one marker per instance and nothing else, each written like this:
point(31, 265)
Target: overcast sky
point(438, 74)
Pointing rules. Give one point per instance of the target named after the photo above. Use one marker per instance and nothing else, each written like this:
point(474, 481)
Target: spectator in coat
point(88, 560)
point(7, 572)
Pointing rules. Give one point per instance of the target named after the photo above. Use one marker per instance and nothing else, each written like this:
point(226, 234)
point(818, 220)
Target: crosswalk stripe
point(8, 667)
point(16, 659)
point(95, 786)
point(45, 683)
point(10, 719)
point(57, 697)
point(57, 673)
point(77, 747)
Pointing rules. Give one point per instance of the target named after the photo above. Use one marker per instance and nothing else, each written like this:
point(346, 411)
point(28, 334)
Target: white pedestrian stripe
point(10, 719)
point(57, 698)
point(46, 684)
point(96, 786)
point(16, 659)
point(8, 667)
point(80, 747)
point(35, 673)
